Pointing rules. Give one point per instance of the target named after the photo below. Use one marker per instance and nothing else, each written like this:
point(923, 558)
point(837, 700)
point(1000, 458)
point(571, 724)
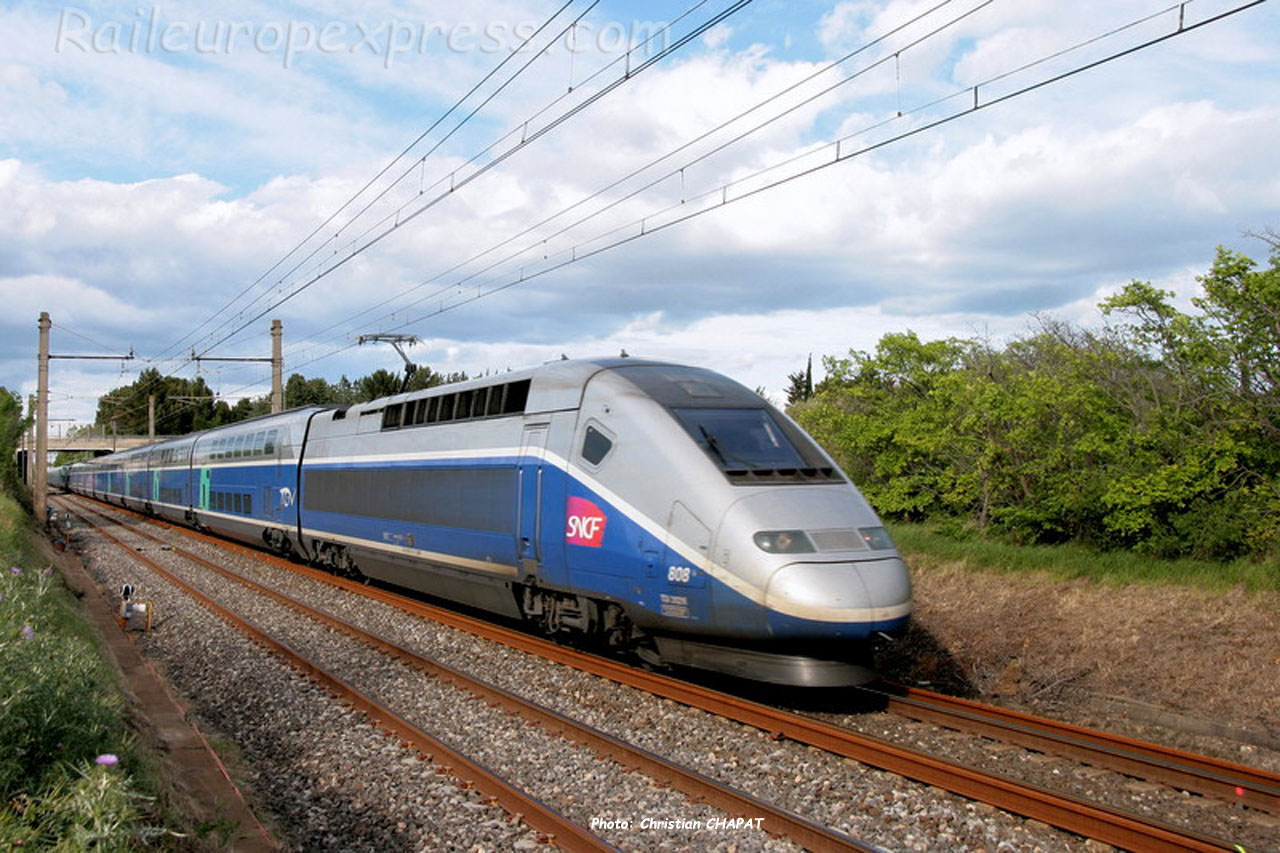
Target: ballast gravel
point(333, 782)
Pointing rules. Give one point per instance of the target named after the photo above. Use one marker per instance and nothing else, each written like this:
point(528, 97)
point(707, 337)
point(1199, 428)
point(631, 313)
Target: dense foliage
point(12, 424)
point(58, 706)
point(1159, 432)
point(63, 785)
point(299, 391)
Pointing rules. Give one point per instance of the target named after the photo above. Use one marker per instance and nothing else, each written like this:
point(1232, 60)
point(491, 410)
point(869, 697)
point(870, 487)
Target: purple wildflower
point(27, 632)
point(107, 760)
point(15, 570)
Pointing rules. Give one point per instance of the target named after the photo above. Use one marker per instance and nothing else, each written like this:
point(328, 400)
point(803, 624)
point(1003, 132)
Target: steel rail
point(546, 820)
point(777, 821)
point(1201, 774)
point(1063, 811)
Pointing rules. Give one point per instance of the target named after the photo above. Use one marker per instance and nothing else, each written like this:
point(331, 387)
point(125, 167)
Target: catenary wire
point(439, 120)
point(400, 222)
point(683, 147)
point(182, 362)
point(633, 233)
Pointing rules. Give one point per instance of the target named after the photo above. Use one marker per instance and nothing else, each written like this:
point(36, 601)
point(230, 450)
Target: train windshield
point(739, 439)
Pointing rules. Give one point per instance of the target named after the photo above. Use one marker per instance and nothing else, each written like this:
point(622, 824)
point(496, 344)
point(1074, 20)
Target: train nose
point(860, 595)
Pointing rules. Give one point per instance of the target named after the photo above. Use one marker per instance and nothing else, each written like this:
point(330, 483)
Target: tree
point(1159, 432)
point(800, 384)
point(425, 378)
point(380, 383)
point(1243, 306)
point(181, 405)
point(12, 425)
point(300, 391)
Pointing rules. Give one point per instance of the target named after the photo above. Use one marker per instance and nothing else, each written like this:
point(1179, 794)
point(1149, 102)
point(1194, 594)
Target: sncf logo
point(586, 523)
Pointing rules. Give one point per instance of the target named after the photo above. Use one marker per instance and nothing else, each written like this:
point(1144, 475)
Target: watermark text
point(150, 32)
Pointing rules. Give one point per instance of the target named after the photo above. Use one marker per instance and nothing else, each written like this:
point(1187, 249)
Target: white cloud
point(79, 302)
point(717, 35)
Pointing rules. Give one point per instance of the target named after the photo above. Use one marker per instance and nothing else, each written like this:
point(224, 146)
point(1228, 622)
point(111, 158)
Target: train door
point(681, 584)
point(272, 503)
point(277, 497)
point(205, 480)
point(530, 482)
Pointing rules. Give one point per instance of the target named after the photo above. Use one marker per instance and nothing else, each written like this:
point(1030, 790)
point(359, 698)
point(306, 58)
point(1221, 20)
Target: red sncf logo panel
point(586, 523)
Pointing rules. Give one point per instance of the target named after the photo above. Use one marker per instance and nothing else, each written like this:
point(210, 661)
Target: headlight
point(877, 538)
point(784, 541)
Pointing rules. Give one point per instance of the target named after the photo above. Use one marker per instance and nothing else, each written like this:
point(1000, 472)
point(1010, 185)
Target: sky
point(732, 185)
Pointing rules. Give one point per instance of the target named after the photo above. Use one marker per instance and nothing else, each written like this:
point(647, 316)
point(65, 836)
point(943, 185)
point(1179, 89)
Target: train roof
point(557, 385)
point(553, 386)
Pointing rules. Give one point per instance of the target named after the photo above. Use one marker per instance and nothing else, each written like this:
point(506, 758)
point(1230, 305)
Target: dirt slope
point(1195, 662)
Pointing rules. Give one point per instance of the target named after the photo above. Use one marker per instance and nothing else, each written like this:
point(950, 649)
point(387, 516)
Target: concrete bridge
point(99, 443)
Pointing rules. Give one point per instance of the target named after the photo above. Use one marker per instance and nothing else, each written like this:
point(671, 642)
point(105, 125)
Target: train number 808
point(679, 574)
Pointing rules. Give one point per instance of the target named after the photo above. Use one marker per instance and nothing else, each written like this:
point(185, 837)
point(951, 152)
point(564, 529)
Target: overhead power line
point(373, 180)
point(401, 219)
point(461, 292)
point(182, 362)
point(706, 135)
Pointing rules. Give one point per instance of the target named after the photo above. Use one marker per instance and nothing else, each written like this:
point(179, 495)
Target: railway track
point(556, 828)
point(1064, 811)
point(1212, 777)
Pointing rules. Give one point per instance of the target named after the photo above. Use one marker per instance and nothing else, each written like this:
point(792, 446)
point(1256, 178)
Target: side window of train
point(595, 445)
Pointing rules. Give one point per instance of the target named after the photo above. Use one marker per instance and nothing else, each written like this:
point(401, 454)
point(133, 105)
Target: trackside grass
point(66, 770)
point(930, 545)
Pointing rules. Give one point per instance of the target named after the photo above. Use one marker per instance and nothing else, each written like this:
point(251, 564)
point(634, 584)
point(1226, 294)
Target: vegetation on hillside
point(13, 423)
point(1159, 432)
point(66, 771)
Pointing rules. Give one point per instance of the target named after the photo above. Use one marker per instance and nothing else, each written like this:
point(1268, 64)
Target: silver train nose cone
point(847, 591)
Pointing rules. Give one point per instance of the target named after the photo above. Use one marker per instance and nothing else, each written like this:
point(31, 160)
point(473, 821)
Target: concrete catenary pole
point(277, 368)
point(40, 480)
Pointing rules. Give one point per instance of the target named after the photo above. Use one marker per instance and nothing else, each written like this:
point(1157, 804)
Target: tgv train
point(657, 507)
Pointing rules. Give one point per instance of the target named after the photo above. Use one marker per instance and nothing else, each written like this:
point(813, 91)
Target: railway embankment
point(1195, 667)
point(99, 752)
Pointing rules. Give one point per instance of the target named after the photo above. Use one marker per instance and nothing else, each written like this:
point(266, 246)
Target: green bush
point(94, 808)
point(12, 530)
point(61, 720)
point(62, 787)
point(1156, 433)
point(58, 707)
